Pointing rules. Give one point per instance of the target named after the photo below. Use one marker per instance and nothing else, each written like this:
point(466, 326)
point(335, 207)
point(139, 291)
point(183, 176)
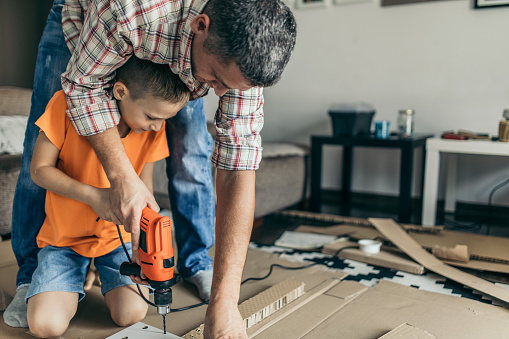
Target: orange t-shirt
point(70, 223)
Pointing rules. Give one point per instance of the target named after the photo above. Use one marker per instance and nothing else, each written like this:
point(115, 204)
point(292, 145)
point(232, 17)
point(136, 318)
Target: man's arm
point(128, 194)
point(97, 51)
point(234, 221)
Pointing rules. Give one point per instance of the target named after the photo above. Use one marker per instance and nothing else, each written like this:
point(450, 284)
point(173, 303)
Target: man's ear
point(120, 90)
point(200, 24)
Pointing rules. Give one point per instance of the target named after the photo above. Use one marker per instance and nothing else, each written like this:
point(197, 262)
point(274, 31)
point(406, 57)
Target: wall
point(21, 26)
point(444, 59)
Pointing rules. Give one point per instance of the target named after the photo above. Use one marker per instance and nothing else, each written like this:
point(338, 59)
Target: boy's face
point(144, 114)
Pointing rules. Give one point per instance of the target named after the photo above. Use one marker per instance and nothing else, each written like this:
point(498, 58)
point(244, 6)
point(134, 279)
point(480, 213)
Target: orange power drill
point(156, 258)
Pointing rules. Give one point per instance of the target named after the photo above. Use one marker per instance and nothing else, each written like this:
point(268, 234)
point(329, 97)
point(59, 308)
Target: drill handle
point(128, 268)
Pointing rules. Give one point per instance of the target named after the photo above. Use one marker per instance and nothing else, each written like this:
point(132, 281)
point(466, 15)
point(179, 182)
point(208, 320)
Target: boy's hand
point(100, 203)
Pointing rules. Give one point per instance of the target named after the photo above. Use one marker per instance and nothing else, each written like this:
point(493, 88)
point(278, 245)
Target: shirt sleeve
point(98, 52)
point(159, 146)
point(54, 122)
point(239, 120)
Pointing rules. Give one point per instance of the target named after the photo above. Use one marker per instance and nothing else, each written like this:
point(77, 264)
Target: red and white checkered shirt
point(103, 34)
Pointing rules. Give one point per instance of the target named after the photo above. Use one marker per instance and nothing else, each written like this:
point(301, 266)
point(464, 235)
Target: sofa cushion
point(12, 132)
point(9, 172)
point(15, 100)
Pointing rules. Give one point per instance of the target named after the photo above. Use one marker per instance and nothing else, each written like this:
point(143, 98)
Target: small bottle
point(406, 122)
point(503, 127)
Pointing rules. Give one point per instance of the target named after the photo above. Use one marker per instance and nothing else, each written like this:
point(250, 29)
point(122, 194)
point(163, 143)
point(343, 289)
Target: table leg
point(405, 184)
point(429, 200)
point(450, 189)
point(346, 185)
point(316, 176)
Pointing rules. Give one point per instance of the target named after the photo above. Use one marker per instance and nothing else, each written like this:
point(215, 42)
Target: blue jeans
point(62, 269)
point(190, 187)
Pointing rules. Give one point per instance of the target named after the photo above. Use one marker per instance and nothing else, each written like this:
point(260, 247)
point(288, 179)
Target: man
point(232, 46)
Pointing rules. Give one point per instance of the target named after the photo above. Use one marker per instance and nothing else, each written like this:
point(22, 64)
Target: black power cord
point(488, 220)
point(138, 286)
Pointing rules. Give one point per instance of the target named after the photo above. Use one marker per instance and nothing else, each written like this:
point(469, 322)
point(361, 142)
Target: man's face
point(207, 68)
point(146, 114)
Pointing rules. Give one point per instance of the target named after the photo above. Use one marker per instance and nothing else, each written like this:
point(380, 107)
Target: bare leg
point(125, 304)
point(49, 313)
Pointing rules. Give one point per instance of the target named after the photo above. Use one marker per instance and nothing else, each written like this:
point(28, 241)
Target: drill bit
point(164, 323)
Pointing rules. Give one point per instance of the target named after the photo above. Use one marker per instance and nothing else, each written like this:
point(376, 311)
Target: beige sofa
point(280, 181)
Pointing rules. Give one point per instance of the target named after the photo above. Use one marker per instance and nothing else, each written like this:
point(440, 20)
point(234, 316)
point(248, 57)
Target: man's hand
point(128, 198)
point(223, 321)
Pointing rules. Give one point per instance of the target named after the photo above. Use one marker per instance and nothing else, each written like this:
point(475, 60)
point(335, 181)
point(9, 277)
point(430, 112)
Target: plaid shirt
point(103, 34)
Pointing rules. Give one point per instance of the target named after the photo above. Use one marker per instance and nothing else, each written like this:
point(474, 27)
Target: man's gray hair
point(259, 35)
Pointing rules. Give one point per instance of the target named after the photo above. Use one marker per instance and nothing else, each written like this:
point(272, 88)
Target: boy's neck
point(123, 128)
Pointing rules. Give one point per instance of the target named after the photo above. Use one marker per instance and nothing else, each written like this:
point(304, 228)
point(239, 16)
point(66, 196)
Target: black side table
point(406, 145)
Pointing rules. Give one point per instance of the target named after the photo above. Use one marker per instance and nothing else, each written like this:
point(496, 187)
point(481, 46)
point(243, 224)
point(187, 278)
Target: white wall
point(444, 59)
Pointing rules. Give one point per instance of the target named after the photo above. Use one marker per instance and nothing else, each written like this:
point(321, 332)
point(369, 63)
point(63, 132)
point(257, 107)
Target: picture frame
point(490, 3)
point(401, 2)
point(305, 4)
point(348, 2)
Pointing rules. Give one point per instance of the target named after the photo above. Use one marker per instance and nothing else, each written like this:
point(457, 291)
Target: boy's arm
point(146, 176)
point(45, 174)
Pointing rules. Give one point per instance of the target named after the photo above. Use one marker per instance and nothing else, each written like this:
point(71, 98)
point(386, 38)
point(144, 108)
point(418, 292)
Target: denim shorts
point(62, 269)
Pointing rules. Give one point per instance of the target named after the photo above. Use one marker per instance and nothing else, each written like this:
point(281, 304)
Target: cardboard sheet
point(398, 261)
point(93, 320)
point(392, 231)
point(306, 314)
point(406, 330)
point(385, 306)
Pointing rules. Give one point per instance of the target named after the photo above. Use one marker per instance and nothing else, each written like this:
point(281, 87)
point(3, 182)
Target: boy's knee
point(128, 316)
point(47, 326)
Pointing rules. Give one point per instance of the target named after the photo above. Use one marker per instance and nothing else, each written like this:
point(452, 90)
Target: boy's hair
point(259, 35)
point(144, 78)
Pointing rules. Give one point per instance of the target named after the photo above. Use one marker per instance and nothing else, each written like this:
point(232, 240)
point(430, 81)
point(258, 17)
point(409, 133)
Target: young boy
point(66, 165)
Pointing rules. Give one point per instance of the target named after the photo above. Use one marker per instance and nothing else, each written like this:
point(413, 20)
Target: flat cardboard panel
point(398, 261)
point(480, 265)
point(405, 331)
point(482, 247)
point(320, 304)
point(346, 290)
point(330, 230)
point(400, 238)
point(386, 305)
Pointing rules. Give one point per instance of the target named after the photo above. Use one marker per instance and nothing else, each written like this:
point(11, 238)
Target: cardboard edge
point(407, 330)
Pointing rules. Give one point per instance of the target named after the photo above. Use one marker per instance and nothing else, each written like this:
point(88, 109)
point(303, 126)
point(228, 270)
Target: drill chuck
point(163, 297)
point(163, 310)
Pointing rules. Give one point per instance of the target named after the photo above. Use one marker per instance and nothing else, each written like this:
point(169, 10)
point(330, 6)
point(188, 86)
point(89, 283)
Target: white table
point(435, 146)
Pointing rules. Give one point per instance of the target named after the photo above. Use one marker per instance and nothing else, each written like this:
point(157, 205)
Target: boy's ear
point(200, 24)
point(120, 90)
